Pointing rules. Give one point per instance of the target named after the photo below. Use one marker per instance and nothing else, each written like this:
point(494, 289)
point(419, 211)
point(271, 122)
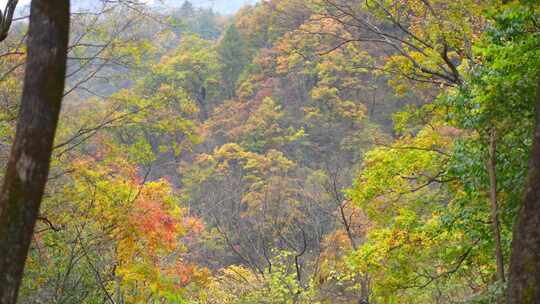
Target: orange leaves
point(228, 118)
point(155, 224)
point(186, 274)
point(194, 225)
point(142, 222)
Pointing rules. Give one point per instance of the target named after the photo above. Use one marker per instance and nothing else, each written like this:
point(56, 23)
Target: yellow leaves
point(142, 221)
point(238, 274)
point(404, 189)
point(280, 161)
point(255, 180)
point(394, 254)
point(231, 284)
point(256, 125)
point(229, 150)
point(290, 62)
point(265, 116)
point(351, 110)
point(323, 93)
point(403, 172)
point(194, 225)
point(272, 161)
point(438, 40)
point(329, 96)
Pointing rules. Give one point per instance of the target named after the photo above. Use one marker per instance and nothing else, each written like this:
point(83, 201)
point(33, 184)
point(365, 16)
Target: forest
point(294, 152)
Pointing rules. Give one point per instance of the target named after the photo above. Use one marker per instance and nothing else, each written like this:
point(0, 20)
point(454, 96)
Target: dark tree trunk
point(496, 227)
point(28, 165)
point(524, 278)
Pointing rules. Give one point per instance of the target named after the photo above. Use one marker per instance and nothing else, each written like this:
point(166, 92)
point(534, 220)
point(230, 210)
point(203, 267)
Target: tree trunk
point(28, 165)
point(492, 170)
point(524, 279)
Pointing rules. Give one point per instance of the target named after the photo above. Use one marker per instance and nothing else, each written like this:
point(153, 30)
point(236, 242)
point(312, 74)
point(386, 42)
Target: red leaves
point(155, 223)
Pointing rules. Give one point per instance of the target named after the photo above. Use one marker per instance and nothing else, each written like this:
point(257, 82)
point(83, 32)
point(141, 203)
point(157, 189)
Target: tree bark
point(28, 165)
point(6, 18)
point(492, 170)
point(524, 278)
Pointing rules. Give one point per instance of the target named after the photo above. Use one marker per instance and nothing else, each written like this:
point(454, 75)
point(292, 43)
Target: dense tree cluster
point(300, 151)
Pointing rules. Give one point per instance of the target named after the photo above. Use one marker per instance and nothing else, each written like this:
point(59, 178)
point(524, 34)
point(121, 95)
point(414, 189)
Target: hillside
point(289, 152)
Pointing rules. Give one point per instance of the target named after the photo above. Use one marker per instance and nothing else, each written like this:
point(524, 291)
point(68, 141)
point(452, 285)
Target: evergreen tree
point(233, 55)
point(187, 9)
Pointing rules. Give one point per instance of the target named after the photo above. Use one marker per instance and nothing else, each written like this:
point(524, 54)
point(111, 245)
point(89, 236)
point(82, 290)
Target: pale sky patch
point(223, 6)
